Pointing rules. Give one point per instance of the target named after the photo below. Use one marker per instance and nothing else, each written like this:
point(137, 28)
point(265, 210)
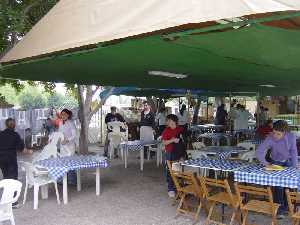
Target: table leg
point(78, 180)
point(125, 156)
point(44, 191)
point(98, 181)
point(65, 188)
point(142, 158)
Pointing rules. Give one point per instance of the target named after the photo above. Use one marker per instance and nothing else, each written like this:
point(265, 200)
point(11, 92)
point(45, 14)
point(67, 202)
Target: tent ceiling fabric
point(254, 58)
point(75, 23)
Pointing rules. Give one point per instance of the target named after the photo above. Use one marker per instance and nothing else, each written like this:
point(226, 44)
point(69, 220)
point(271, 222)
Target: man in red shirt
point(265, 130)
point(170, 136)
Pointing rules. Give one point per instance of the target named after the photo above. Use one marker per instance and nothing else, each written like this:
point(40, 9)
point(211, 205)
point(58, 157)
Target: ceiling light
point(267, 85)
point(167, 74)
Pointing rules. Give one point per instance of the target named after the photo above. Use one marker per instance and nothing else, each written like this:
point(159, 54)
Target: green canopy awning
point(255, 58)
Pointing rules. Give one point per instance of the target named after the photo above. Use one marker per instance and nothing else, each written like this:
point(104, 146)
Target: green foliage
point(9, 93)
point(32, 98)
point(59, 101)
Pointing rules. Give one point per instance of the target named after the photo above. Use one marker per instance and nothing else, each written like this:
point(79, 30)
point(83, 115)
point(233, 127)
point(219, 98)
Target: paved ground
point(129, 197)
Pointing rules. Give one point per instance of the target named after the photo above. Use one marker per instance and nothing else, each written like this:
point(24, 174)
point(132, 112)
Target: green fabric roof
point(231, 61)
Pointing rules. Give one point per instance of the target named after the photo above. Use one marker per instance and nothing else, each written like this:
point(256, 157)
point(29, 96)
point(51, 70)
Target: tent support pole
point(207, 110)
point(257, 109)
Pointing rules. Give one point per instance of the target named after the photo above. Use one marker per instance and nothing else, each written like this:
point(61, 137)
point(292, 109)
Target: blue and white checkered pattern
point(223, 152)
point(137, 145)
point(254, 141)
point(256, 174)
point(57, 167)
point(215, 164)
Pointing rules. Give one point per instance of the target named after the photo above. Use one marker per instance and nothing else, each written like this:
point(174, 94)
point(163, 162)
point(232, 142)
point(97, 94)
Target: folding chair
point(267, 206)
point(293, 199)
point(187, 185)
point(220, 193)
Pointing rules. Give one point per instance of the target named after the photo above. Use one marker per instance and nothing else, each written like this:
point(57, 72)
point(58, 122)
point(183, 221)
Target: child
point(170, 137)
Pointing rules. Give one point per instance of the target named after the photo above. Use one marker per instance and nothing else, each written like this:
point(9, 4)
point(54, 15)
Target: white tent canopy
point(76, 23)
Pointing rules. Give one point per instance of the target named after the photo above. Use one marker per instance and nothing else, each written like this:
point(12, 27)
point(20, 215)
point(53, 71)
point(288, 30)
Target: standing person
point(170, 137)
point(263, 131)
point(241, 118)
point(147, 123)
point(161, 118)
point(283, 152)
point(111, 117)
point(183, 120)
point(10, 143)
point(221, 115)
point(68, 128)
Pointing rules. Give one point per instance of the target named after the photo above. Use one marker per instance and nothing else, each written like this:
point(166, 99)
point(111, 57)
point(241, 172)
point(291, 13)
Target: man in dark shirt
point(10, 143)
point(111, 117)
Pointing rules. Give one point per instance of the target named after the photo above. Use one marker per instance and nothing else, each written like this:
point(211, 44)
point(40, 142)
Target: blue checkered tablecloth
point(215, 164)
point(57, 167)
point(256, 174)
point(254, 141)
point(137, 145)
point(223, 152)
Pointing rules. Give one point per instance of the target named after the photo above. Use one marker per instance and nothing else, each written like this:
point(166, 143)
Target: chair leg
point(179, 208)
point(196, 217)
point(57, 193)
point(233, 217)
point(35, 196)
point(25, 193)
point(210, 213)
point(245, 214)
point(12, 220)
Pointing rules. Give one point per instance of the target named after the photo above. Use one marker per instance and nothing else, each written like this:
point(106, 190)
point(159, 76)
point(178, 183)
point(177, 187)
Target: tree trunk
point(196, 112)
point(84, 137)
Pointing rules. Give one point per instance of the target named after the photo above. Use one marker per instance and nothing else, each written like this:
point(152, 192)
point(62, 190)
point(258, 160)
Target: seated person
point(263, 131)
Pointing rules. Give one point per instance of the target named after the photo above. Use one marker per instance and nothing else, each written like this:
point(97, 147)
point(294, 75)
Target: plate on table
point(274, 168)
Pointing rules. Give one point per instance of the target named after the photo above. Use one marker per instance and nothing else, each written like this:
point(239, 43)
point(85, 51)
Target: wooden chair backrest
point(292, 198)
point(181, 179)
point(216, 183)
point(256, 191)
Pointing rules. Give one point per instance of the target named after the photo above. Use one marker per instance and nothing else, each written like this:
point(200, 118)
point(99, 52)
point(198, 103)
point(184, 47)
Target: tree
point(32, 98)
point(59, 101)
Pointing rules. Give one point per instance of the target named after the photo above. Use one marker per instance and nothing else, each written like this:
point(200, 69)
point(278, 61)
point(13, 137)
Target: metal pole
point(257, 109)
point(207, 109)
point(101, 125)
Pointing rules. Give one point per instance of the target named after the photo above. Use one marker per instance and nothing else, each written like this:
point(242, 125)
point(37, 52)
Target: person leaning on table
point(283, 148)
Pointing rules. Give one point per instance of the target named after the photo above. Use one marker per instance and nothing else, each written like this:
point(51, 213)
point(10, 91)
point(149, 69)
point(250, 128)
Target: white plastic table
point(59, 167)
point(139, 145)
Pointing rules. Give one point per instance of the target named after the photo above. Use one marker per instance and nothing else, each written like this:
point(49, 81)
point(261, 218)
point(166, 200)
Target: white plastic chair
point(36, 178)
point(50, 150)
point(246, 145)
point(198, 145)
point(116, 136)
point(248, 156)
point(11, 193)
point(158, 151)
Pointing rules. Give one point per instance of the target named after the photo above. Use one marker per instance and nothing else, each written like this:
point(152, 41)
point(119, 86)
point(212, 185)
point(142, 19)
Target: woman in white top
point(161, 118)
point(183, 120)
point(67, 127)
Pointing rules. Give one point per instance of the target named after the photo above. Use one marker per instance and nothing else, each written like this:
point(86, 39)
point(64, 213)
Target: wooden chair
point(187, 185)
point(267, 206)
point(220, 193)
point(293, 199)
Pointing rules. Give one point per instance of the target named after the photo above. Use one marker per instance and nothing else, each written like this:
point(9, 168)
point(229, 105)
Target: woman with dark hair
point(67, 127)
point(283, 152)
point(171, 138)
point(183, 120)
